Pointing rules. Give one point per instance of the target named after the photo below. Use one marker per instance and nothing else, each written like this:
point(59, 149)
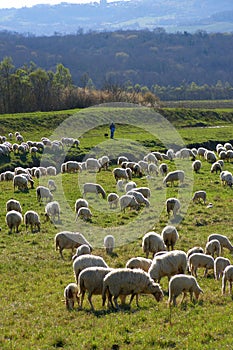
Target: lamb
point(43, 192)
point(120, 173)
point(173, 204)
point(163, 169)
point(87, 260)
point(129, 186)
point(91, 280)
point(13, 204)
point(90, 187)
point(182, 284)
point(69, 240)
point(152, 243)
point(71, 295)
point(220, 264)
point(200, 260)
point(227, 276)
point(80, 203)
point(213, 247)
point(84, 213)
point(198, 196)
point(21, 182)
point(127, 201)
point(109, 243)
point(51, 185)
point(194, 250)
point(113, 200)
point(196, 166)
point(139, 263)
point(168, 264)
point(52, 209)
point(129, 282)
point(13, 220)
point(139, 197)
point(215, 167)
point(170, 236)
point(82, 250)
point(32, 218)
point(120, 185)
point(224, 241)
point(177, 175)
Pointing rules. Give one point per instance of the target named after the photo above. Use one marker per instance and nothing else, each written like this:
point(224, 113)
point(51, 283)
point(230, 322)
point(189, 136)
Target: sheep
point(13, 204)
point(113, 200)
point(163, 169)
point(69, 240)
point(91, 280)
point(182, 284)
point(129, 282)
point(104, 162)
point(139, 197)
point(84, 213)
point(213, 247)
point(168, 264)
point(72, 167)
point(52, 209)
point(224, 241)
point(201, 151)
point(13, 220)
point(109, 243)
point(90, 187)
point(228, 146)
point(226, 178)
point(71, 295)
point(144, 165)
point(51, 171)
point(9, 175)
point(153, 169)
point(151, 158)
point(177, 175)
point(200, 260)
point(194, 250)
point(129, 186)
point(196, 166)
point(215, 167)
point(120, 173)
point(120, 185)
point(145, 191)
point(80, 203)
point(220, 264)
point(137, 170)
point(32, 218)
point(87, 260)
point(127, 201)
point(122, 159)
point(52, 185)
point(93, 164)
point(152, 243)
point(139, 263)
point(82, 250)
point(198, 196)
point(173, 204)
point(43, 192)
point(21, 182)
point(210, 156)
point(170, 236)
point(227, 276)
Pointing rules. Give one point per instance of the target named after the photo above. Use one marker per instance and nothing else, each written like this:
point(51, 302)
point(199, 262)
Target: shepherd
point(112, 129)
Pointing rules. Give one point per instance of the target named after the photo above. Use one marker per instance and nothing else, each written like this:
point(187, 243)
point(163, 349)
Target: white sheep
point(215, 167)
point(51, 171)
point(227, 276)
point(145, 191)
point(113, 200)
point(194, 250)
point(13, 204)
point(220, 264)
point(150, 158)
point(200, 260)
point(129, 186)
point(224, 241)
point(198, 196)
point(87, 260)
point(127, 201)
point(69, 240)
point(120, 185)
point(122, 159)
point(21, 182)
point(13, 220)
point(172, 176)
point(52, 185)
point(104, 162)
point(71, 295)
point(196, 165)
point(170, 236)
point(120, 173)
point(43, 192)
point(84, 213)
point(201, 151)
point(90, 187)
point(168, 264)
point(80, 202)
point(163, 169)
point(173, 204)
point(109, 243)
point(139, 197)
point(153, 169)
point(139, 263)
point(213, 247)
point(82, 250)
point(144, 165)
point(152, 242)
point(93, 164)
point(71, 167)
point(52, 209)
point(226, 178)
point(32, 218)
point(182, 284)
point(129, 282)
point(210, 156)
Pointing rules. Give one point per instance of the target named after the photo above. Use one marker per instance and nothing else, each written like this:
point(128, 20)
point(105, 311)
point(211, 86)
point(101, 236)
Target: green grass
point(33, 276)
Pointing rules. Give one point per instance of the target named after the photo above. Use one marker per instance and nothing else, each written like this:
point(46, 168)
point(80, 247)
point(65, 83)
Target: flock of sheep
point(140, 275)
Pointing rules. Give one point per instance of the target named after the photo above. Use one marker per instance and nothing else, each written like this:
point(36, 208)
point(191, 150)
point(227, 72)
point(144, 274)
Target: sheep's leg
point(60, 250)
point(174, 300)
point(184, 296)
point(115, 301)
point(89, 299)
point(206, 271)
point(82, 298)
point(131, 299)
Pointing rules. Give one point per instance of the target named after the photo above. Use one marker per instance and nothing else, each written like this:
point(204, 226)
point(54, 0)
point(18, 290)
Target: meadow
point(33, 276)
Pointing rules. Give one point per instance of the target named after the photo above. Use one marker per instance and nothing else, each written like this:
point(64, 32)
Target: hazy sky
point(29, 3)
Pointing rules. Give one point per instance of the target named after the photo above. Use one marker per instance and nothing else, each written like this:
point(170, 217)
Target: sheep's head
point(157, 292)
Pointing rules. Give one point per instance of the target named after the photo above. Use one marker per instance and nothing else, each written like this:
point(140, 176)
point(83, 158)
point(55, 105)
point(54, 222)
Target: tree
point(6, 69)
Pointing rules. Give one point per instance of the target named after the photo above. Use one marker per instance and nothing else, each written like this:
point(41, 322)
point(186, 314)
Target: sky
point(29, 3)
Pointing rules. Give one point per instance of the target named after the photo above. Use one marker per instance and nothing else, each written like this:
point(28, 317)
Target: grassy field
point(33, 276)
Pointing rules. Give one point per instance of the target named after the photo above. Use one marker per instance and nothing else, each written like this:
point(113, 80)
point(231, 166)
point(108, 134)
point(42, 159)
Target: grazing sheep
point(43, 192)
point(13, 220)
point(150, 158)
point(51, 185)
point(82, 250)
point(227, 276)
point(104, 162)
point(170, 236)
point(120, 185)
point(139, 263)
point(122, 159)
point(194, 250)
point(153, 169)
point(224, 241)
point(210, 156)
point(129, 282)
point(120, 173)
point(215, 167)
point(173, 204)
point(163, 169)
point(90, 187)
point(213, 247)
point(177, 175)
point(137, 170)
point(93, 164)
point(71, 167)
point(32, 218)
point(69, 240)
point(145, 191)
point(168, 264)
point(52, 209)
point(87, 260)
point(80, 203)
point(9, 175)
point(129, 186)
point(226, 178)
point(144, 165)
point(139, 197)
point(84, 213)
point(127, 201)
point(152, 243)
point(21, 182)
point(113, 200)
point(51, 171)
point(109, 243)
point(220, 264)
point(200, 260)
point(196, 166)
point(201, 151)
point(198, 196)
point(13, 204)
point(182, 284)
point(71, 295)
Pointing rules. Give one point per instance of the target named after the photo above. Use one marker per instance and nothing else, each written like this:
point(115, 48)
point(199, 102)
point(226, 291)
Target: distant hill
point(172, 15)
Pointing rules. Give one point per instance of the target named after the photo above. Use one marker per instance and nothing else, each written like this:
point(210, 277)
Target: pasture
point(33, 275)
